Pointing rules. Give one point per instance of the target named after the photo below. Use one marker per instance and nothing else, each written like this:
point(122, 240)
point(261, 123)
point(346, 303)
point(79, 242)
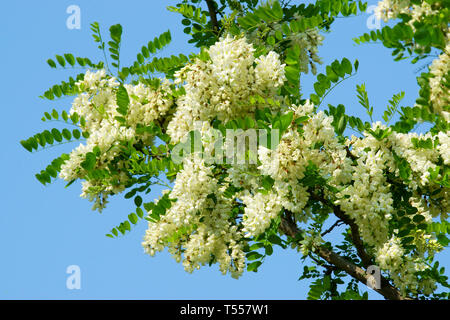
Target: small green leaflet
point(122, 100)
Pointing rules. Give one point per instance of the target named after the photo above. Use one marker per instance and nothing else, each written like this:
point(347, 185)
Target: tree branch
point(337, 223)
point(350, 154)
point(213, 14)
point(356, 237)
point(386, 289)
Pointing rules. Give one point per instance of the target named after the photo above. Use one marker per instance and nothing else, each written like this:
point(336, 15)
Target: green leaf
point(418, 218)
point(51, 63)
point(347, 66)
point(277, 10)
point(75, 118)
point(273, 238)
point(249, 123)
point(314, 99)
point(51, 171)
point(90, 161)
point(138, 201)
point(130, 194)
point(122, 100)
point(254, 266)
point(145, 52)
point(57, 135)
point(76, 133)
point(331, 75)
point(43, 177)
point(116, 32)
point(286, 120)
point(70, 58)
point(64, 115)
point(133, 218)
point(81, 61)
point(278, 35)
point(337, 68)
point(55, 114)
point(319, 89)
point(256, 246)
point(66, 134)
point(61, 60)
point(253, 255)
point(140, 58)
point(26, 144)
point(267, 182)
point(48, 137)
point(140, 212)
point(271, 40)
point(342, 123)
point(292, 74)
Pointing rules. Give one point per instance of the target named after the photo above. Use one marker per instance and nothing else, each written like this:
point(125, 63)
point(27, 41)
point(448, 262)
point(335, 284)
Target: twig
point(336, 224)
point(331, 89)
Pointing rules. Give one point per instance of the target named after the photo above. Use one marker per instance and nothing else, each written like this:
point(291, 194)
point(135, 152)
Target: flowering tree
point(295, 176)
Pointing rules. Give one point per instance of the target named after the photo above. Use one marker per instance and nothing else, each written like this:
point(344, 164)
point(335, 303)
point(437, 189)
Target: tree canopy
point(249, 161)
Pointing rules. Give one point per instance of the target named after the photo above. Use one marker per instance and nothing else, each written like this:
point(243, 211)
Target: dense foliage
point(168, 121)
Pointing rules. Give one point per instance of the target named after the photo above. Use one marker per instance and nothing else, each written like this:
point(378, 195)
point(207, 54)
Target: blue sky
point(46, 229)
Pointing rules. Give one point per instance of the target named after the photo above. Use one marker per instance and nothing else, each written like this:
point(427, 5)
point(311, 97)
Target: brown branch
point(350, 154)
point(337, 223)
point(386, 289)
point(356, 237)
point(213, 14)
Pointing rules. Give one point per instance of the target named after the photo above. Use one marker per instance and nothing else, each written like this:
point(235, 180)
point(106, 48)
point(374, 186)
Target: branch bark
point(356, 236)
point(386, 289)
point(213, 14)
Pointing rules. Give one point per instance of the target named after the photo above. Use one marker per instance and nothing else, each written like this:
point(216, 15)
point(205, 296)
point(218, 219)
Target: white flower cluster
point(391, 9)
point(218, 88)
point(260, 210)
point(440, 67)
point(147, 105)
point(316, 145)
point(198, 227)
point(307, 42)
point(96, 104)
point(222, 86)
point(369, 202)
point(439, 92)
point(364, 195)
point(420, 160)
point(205, 224)
point(403, 268)
point(444, 146)
point(310, 242)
